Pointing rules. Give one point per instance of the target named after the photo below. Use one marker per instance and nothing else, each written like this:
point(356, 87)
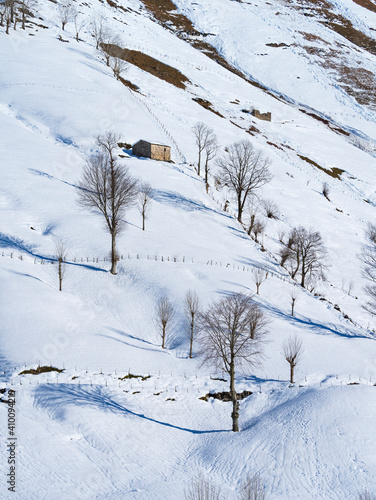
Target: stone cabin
point(262, 116)
point(152, 150)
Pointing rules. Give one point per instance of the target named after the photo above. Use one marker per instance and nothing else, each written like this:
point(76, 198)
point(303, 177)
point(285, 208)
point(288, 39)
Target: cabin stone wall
point(262, 116)
point(142, 149)
point(160, 152)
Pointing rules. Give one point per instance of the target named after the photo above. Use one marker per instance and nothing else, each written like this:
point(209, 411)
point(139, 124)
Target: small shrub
point(271, 209)
point(325, 191)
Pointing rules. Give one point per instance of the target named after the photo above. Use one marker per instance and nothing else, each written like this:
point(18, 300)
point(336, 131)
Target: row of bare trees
point(202, 488)
point(244, 170)
point(13, 12)
point(231, 336)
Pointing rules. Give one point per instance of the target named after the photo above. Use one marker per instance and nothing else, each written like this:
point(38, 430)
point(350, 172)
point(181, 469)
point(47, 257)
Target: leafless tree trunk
point(25, 9)
point(79, 22)
point(203, 135)
point(211, 149)
point(244, 170)
point(252, 488)
point(233, 331)
point(305, 255)
point(61, 256)
point(99, 30)
point(293, 352)
point(8, 15)
point(144, 202)
point(109, 46)
point(118, 66)
point(65, 11)
point(192, 307)
point(108, 188)
point(259, 276)
point(202, 488)
point(368, 257)
point(2, 12)
point(164, 314)
point(258, 228)
point(294, 297)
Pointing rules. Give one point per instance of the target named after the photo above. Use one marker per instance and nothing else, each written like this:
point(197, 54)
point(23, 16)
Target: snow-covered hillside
point(88, 432)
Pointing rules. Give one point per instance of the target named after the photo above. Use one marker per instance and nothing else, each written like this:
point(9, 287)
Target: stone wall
point(142, 148)
point(159, 152)
point(262, 116)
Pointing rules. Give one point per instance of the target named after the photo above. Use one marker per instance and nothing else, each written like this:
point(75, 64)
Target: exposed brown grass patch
point(150, 65)
point(333, 172)
point(367, 4)
point(355, 81)
point(40, 369)
point(207, 105)
point(129, 84)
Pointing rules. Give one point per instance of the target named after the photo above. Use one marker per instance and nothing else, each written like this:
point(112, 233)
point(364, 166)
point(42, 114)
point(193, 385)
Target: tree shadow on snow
point(316, 327)
point(16, 244)
point(55, 398)
point(175, 199)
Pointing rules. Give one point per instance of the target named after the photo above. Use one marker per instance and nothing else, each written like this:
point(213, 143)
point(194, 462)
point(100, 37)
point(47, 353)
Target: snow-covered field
point(86, 434)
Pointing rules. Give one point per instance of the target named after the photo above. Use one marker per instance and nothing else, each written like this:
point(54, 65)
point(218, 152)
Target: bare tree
point(65, 11)
point(78, 21)
point(164, 314)
point(3, 7)
point(109, 45)
point(25, 10)
point(192, 308)
point(304, 255)
point(118, 66)
point(252, 488)
point(108, 188)
point(202, 488)
point(259, 276)
point(294, 297)
point(7, 15)
point(258, 228)
point(293, 352)
point(203, 135)
point(144, 202)
point(233, 331)
point(99, 29)
point(271, 209)
point(211, 150)
point(244, 169)
point(368, 257)
point(61, 257)
point(366, 495)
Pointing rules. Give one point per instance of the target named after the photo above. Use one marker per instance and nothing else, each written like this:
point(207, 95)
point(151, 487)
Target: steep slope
point(87, 432)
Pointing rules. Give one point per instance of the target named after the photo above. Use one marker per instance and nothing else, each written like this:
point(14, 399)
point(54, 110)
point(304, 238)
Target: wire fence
point(166, 382)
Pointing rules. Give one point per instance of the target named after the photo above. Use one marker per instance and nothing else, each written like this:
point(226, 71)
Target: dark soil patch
point(334, 172)
point(274, 145)
point(225, 396)
point(253, 130)
point(41, 369)
point(356, 81)
point(326, 122)
point(207, 105)
point(130, 375)
point(129, 84)
point(277, 45)
point(150, 65)
point(367, 4)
